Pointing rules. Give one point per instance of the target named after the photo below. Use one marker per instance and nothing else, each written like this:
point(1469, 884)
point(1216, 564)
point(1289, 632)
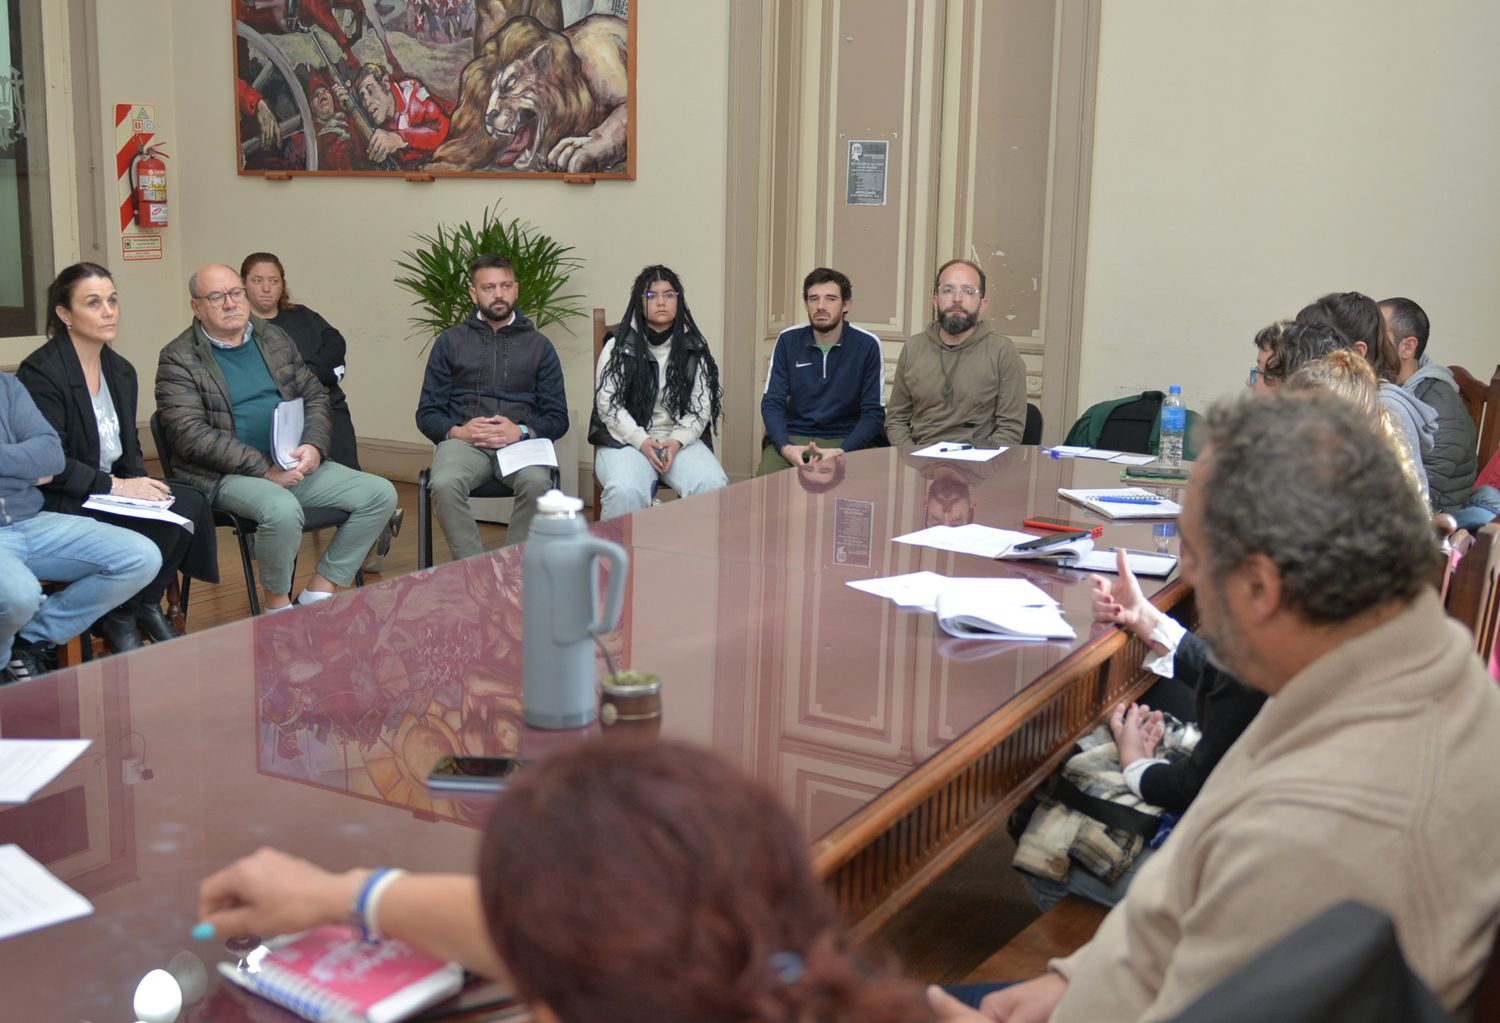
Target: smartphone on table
point(473, 774)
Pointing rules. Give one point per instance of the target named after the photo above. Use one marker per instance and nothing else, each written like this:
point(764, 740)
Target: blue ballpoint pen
point(1129, 500)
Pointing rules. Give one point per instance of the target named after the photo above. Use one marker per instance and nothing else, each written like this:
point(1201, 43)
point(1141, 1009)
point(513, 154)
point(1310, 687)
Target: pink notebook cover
point(331, 974)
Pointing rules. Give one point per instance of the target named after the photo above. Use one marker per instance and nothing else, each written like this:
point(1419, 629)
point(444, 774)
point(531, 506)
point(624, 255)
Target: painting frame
point(451, 107)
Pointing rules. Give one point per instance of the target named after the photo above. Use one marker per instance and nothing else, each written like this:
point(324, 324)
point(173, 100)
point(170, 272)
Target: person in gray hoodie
point(1452, 463)
point(1357, 317)
point(103, 565)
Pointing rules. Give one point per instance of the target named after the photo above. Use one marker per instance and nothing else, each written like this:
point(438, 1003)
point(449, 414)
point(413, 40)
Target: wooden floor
point(211, 604)
point(941, 937)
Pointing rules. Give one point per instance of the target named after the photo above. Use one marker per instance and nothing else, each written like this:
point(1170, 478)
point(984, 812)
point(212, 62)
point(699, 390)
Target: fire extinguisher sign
point(135, 133)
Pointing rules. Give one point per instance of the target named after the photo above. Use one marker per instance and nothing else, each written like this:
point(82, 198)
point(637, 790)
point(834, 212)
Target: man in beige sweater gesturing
point(1368, 775)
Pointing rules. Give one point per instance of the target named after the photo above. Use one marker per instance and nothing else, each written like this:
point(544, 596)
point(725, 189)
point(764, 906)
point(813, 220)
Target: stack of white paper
point(286, 431)
point(137, 508)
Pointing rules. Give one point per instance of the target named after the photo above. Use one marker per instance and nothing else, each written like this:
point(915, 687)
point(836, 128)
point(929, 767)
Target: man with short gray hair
point(217, 387)
point(1370, 772)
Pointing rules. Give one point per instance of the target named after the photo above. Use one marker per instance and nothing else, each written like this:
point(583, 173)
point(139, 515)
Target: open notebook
point(972, 609)
point(1124, 503)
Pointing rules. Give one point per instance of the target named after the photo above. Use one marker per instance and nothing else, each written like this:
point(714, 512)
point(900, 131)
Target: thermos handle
point(614, 598)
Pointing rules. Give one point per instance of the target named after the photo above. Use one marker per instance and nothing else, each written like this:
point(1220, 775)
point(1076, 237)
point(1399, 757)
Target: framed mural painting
point(432, 88)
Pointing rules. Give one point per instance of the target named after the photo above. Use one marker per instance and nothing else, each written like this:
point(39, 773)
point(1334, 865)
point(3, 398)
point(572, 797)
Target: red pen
point(1058, 526)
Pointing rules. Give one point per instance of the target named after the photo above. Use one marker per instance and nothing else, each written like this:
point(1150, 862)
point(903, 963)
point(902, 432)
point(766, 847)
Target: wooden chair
point(1474, 593)
point(1483, 403)
point(76, 650)
point(1060, 931)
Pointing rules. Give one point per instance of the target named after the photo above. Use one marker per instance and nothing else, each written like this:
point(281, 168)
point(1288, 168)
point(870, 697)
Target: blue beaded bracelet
point(367, 896)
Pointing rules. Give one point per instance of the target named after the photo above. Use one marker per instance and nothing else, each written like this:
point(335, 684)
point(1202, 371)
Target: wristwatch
point(525, 430)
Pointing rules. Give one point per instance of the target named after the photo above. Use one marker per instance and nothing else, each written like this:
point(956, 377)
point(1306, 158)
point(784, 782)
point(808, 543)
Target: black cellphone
point(473, 774)
point(1043, 542)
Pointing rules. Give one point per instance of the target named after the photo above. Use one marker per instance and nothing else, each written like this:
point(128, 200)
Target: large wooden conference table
point(895, 746)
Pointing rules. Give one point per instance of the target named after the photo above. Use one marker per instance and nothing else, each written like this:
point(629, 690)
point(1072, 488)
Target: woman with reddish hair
point(616, 882)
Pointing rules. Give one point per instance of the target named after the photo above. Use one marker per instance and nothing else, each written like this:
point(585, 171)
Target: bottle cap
point(1175, 389)
point(555, 502)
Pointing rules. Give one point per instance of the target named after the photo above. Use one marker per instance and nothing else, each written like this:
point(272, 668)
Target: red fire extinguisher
point(148, 177)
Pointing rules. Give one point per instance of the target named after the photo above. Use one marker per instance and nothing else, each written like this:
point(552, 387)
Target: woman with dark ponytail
point(87, 391)
point(657, 400)
point(619, 882)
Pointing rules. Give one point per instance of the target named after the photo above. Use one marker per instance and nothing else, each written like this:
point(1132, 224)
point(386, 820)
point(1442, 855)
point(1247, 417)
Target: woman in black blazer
point(88, 393)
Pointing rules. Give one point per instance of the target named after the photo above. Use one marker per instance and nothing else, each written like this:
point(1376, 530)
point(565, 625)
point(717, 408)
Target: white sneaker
point(313, 597)
point(277, 610)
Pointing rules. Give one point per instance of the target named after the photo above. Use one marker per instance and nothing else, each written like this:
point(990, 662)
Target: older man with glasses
point(218, 384)
point(959, 380)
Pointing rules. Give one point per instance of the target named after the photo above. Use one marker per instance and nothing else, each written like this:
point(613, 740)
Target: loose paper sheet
point(958, 452)
point(920, 590)
point(28, 765)
point(984, 541)
point(517, 456)
point(31, 897)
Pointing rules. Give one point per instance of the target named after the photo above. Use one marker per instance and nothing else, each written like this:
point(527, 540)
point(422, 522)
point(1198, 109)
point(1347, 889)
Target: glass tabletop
point(314, 730)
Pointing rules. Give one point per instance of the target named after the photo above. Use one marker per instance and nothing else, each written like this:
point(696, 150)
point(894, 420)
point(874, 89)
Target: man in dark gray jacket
point(492, 381)
point(218, 385)
point(103, 565)
point(1451, 464)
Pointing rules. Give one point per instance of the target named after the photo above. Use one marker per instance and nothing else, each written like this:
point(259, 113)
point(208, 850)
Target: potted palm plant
point(437, 273)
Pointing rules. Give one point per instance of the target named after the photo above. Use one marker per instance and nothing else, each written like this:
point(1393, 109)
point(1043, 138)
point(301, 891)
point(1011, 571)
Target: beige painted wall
point(1253, 154)
point(1244, 163)
point(340, 236)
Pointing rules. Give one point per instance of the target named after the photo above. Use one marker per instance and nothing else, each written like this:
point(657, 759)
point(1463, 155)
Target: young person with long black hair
point(656, 400)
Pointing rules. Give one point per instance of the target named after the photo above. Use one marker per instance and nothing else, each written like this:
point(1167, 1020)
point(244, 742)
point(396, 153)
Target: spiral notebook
point(1124, 503)
point(331, 974)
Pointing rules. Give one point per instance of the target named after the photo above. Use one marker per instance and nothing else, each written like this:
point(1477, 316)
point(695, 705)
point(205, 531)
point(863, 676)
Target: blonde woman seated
point(656, 400)
point(1347, 374)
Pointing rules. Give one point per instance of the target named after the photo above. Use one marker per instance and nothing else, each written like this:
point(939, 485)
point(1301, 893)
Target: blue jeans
point(103, 566)
point(1481, 510)
point(627, 478)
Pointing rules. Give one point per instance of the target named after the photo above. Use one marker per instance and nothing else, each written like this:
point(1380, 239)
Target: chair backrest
point(1487, 998)
point(1031, 433)
point(1472, 392)
point(163, 453)
point(1343, 965)
point(1482, 400)
point(1474, 592)
point(600, 329)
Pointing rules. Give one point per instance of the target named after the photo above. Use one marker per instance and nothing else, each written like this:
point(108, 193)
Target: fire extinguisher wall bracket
point(148, 187)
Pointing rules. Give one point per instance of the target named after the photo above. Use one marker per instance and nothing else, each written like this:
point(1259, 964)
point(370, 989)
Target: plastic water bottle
point(560, 572)
point(1173, 428)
